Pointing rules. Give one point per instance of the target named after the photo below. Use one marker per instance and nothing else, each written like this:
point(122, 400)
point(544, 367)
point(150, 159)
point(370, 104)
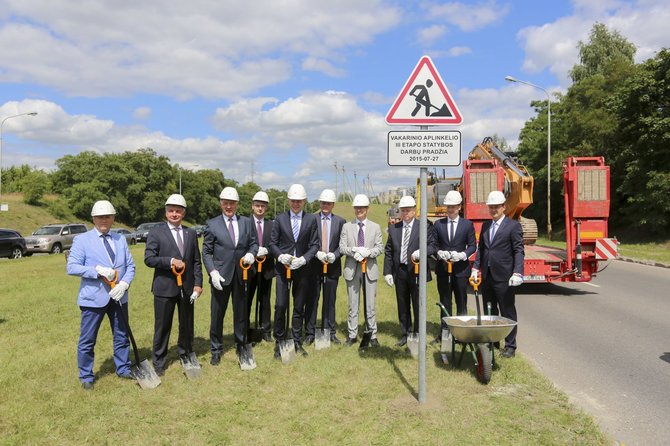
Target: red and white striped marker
point(607, 248)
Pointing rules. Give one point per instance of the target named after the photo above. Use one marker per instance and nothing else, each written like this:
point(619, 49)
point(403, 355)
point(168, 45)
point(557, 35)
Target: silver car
point(130, 236)
point(53, 239)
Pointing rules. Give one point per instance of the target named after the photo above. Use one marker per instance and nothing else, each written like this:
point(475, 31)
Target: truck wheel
point(57, 249)
point(484, 363)
point(17, 253)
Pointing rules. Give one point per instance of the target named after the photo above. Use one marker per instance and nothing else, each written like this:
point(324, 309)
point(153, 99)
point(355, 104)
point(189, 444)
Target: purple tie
point(259, 231)
point(109, 249)
point(231, 230)
point(361, 234)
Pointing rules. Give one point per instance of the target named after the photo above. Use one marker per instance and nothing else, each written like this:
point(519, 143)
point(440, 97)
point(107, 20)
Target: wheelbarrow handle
point(444, 309)
point(245, 269)
point(112, 283)
point(178, 273)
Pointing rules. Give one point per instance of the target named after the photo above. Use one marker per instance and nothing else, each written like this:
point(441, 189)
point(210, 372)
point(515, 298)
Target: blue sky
point(288, 87)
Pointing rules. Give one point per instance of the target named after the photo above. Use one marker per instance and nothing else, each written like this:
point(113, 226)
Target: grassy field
point(335, 396)
point(646, 252)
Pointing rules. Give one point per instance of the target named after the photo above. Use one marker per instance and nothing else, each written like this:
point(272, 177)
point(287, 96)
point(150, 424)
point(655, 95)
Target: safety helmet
point(297, 192)
point(361, 200)
point(102, 207)
point(328, 195)
point(453, 198)
point(229, 193)
point(177, 200)
point(407, 202)
point(495, 197)
point(261, 196)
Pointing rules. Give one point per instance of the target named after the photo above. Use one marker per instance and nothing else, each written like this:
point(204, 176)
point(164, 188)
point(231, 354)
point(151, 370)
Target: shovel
point(286, 345)
point(322, 339)
point(144, 372)
point(247, 359)
point(475, 286)
point(412, 336)
point(443, 349)
point(367, 334)
point(256, 334)
point(191, 366)
point(446, 339)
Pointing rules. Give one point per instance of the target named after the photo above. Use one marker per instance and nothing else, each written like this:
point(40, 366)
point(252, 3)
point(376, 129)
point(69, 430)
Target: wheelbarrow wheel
point(484, 363)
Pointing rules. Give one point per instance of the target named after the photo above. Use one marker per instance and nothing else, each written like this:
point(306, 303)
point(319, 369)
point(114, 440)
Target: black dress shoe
point(160, 372)
point(351, 341)
point(509, 352)
point(87, 385)
point(129, 375)
point(238, 350)
point(299, 349)
point(216, 359)
point(277, 354)
point(184, 359)
point(401, 342)
point(267, 337)
point(309, 340)
point(335, 340)
point(374, 343)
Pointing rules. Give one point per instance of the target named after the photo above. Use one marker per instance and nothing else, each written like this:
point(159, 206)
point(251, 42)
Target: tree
point(604, 49)
point(34, 186)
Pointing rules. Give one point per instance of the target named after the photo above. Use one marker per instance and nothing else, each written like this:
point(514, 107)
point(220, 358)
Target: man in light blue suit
point(95, 256)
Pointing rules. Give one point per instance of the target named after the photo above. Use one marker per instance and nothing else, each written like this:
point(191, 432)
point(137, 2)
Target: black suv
point(12, 245)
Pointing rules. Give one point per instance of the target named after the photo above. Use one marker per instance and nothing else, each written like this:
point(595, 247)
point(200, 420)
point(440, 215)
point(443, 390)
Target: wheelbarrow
point(477, 334)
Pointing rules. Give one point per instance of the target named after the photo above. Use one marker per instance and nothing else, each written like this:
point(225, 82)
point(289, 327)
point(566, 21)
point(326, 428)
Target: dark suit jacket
point(504, 256)
point(218, 251)
point(464, 241)
point(269, 264)
point(281, 241)
point(336, 224)
point(161, 247)
point(394, 246)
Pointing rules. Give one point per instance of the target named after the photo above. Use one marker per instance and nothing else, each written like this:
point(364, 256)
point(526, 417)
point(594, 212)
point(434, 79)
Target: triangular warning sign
point(424, 100)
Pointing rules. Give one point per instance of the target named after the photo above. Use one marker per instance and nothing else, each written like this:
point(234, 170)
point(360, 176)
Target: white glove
point(298, 262)
point(107, 273)
point(415, 255)
point(444, 255)
point(322, 256)
point(358, 257)
point(474, 275)
point(194, 297)
point(217, 280)
point(515, 280)
point(453, 255)
point(460, 256)
point(365, 252)
point(389, 279)
point(262, 251)
point(118, 291)
point(248, 258)
point(330, 257)
point(285, 259)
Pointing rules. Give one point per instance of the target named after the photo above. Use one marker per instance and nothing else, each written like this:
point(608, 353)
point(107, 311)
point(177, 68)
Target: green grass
point(647, 252)
point(335, 396)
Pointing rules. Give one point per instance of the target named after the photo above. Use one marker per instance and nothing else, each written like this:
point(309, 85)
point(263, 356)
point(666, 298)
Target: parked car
point(12, 245)
point(142, 231)
point(54, 238)
point(130, 236)
point(199, 230)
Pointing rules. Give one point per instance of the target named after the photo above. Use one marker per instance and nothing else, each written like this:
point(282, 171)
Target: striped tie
point(295, 227)
point(405, 244)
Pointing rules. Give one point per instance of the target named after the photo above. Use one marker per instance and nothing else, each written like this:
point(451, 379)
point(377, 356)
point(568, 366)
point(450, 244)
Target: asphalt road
point(607, 345)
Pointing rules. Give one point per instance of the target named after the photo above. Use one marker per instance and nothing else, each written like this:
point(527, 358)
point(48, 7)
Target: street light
point(2, 142)
point(512, 79)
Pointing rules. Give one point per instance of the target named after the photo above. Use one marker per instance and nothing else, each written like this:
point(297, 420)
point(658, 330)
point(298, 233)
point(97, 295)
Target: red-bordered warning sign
point(606, 248)
point(424, 100)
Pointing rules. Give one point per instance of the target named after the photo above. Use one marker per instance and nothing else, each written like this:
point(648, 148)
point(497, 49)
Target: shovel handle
point(416, 266)
point(364, 263)
point(450, 266)
point(475, 283)
point(288, 272)
point(245, 269)
point(260, 261)
point(112, 283)
point(177, 273)
point(325, 268)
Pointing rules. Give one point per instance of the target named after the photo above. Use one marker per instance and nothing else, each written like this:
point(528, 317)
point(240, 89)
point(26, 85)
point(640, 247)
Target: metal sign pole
point(423, 270)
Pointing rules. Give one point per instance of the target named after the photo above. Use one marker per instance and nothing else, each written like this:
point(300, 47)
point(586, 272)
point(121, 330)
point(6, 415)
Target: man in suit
point(456, 242)
point(401, 248)
point(262, 281)
point(361, 240)
point(499, 260)
point(228, 238)
point(329, 228)
point(294, 243)
point(171, 245)
point(97, 255)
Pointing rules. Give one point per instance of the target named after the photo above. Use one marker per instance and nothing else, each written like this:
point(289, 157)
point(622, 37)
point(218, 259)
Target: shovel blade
point(191, 367)
point(247, 358)
point(146, 376)
point(287, 351)
point(255, 335)
point(445, 345)
point(365, 340)
point(413, 344)
point(322, 340)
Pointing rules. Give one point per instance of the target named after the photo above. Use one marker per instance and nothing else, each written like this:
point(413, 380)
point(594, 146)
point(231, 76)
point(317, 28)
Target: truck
point(586, 198)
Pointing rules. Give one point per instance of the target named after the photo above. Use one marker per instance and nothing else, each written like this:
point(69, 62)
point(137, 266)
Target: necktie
point(109, 249)
point(451, 230)
point(180, 242)
point(231, 230)
point(405, 243)
point(494, 226)
point(324, 235)
point(295, 228)
point(259, 231)
point(361, 235)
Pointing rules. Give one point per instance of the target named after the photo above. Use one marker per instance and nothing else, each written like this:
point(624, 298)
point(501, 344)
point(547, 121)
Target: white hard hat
point(453, 198)
point(261, 196)
point(177, 200)
point(328, 195)
point(102, 207)
point(407, 202)
point(229, 193)
point(297, 192)
point(361, 200)
point(495, 197)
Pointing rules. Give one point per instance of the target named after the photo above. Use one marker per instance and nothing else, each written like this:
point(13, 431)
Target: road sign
point(424, 100)
point(424, 148)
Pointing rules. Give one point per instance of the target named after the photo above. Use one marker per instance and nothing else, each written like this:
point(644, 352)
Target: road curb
point(644, 262)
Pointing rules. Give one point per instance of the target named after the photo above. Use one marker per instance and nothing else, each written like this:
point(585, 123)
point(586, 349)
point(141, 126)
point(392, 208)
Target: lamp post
point(512, 79)
point(2, 142)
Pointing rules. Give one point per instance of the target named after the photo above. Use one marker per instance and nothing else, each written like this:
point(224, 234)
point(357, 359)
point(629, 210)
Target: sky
point(283, 91)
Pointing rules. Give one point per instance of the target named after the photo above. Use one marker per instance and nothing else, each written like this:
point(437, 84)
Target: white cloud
point(427, 36)
point(469, 17)
point(322, 66)
point(142, 113)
